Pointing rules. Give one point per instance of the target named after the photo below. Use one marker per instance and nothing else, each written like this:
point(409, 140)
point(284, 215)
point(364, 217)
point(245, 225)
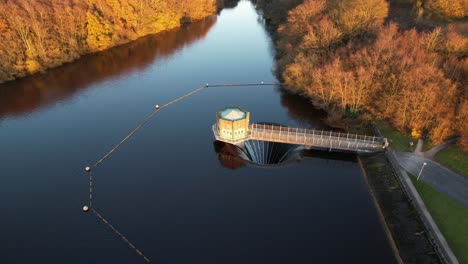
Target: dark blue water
point(166, 189)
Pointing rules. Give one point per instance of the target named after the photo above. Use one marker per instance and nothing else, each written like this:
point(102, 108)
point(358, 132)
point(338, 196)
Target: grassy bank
point(450, 216)
point(454, 158)
point(396, 139)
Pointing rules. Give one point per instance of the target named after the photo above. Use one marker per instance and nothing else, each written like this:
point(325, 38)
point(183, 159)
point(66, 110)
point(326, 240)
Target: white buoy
point(85, 208)
point(157, 107)
point(88, 169)
point(206, 84)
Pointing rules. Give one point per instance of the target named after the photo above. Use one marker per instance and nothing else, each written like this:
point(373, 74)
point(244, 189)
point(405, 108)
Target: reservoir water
point(167, 189)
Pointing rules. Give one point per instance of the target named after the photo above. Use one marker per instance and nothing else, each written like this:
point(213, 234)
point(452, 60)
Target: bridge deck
point(313, 138)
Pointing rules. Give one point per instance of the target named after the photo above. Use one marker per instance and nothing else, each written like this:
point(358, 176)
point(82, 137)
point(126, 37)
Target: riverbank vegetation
point(400, 63)
point(451, 218)
point(396, 139)
point(37, 35)
point(453, 158)
point(359, 59)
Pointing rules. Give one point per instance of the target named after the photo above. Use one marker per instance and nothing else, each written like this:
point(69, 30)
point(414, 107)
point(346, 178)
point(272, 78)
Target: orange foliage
point(341, 57)
point(463, 124)
point(416, 133)
point(446, 9)
point(323, 35)
point(303, 15)
point(356, 17)
point(47, 33)
point(27, 95)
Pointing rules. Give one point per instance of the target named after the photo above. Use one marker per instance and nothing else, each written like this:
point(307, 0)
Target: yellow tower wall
point(234, 130)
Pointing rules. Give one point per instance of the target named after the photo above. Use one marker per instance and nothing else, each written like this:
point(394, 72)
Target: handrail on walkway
point(318, 133)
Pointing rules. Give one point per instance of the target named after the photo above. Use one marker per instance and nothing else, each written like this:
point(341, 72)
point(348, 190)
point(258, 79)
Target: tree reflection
point(300, 109)
point(228, 155)
point(32, 93)
point(227, 4)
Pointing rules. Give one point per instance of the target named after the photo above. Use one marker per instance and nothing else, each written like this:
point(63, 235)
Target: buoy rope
point(243, 84)
point(141, 125)
point(120, 235)
point(166, 105)
point(125, 139)
point(90, 189)
point(185, 96)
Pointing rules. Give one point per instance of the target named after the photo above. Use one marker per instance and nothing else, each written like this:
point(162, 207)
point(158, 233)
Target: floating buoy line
point(90, 169)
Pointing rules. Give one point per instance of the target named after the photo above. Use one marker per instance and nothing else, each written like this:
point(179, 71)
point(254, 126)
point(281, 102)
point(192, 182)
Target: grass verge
point(450, 216)
point(454, 158)
point(451, 157)
point(396, 140)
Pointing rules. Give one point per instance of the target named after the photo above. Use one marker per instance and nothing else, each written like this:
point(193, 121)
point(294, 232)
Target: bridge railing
point(289, 131)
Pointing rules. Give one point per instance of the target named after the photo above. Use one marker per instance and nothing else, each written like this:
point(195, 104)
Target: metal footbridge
point(333, 141)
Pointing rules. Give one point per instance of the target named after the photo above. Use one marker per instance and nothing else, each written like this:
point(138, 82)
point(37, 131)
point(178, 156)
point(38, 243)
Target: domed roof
point(232, 113)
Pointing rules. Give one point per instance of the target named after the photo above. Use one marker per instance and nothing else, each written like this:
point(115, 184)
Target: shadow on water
point(300, 109)
point(29, 94)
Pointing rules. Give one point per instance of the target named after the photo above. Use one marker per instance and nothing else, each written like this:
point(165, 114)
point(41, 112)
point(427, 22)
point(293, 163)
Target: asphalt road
point(440, 178)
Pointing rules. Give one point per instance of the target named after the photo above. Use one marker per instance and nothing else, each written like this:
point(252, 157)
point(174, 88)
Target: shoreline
point(94, 52)
point(37, 43)
point(385, 225)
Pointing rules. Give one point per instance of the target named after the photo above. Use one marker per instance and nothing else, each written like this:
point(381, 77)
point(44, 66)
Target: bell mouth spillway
point(270, 153)
point(272, 144)
point(257, 153)
point(237, 151)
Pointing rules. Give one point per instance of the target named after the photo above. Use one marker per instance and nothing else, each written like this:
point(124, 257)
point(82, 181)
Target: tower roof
point(232, 113)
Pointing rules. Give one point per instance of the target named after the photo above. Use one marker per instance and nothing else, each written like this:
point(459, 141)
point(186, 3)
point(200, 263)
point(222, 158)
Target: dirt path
point(430, 154)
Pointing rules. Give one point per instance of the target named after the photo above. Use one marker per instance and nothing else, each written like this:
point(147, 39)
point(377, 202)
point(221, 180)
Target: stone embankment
point(406, 231)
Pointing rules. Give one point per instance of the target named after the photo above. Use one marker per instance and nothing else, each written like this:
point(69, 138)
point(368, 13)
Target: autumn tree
point(303, 16)
point(341, 57)
point(301, 21)
point(445, 9)
point(47, 33)
point(463, 124)
point(357, 17)
point(321, 36)
point(397, 76)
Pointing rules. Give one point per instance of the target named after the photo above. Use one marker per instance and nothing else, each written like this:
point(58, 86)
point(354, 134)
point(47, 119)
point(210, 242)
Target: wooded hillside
point(351, 59)
point(40, 34)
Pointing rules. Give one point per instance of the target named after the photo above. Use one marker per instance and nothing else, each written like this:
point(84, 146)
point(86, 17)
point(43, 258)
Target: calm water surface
point(166, 189)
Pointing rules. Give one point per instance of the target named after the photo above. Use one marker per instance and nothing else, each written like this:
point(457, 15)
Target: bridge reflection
point(29, 94)
point(234, 157)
